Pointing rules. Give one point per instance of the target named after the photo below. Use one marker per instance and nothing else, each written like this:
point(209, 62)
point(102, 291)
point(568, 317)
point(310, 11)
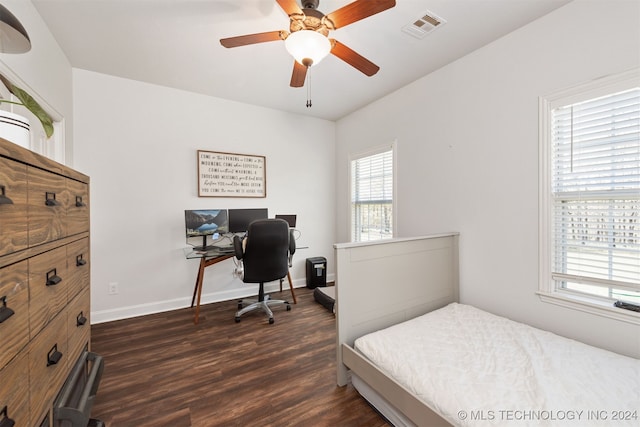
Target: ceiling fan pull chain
point(308, 87)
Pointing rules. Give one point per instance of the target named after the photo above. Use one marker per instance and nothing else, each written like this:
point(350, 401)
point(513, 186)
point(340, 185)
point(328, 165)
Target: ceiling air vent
point(424, 25)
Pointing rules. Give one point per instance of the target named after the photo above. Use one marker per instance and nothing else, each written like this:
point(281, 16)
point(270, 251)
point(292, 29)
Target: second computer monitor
point(291, 219)
point(239, 219)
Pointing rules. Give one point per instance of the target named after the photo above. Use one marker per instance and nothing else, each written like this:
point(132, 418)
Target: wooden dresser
point(44, 281)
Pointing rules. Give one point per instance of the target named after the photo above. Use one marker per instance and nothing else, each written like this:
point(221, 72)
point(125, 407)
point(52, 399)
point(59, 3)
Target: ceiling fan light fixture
point(307, 47)
point(13, 36)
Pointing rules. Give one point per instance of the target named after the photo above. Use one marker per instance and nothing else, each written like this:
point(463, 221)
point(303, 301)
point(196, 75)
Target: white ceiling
point(175, 43)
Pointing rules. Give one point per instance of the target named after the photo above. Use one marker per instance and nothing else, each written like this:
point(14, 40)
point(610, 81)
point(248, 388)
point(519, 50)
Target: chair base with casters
point(264, 303)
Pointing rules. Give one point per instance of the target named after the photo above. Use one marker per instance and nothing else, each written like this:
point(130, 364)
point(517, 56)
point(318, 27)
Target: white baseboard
point(120, 313)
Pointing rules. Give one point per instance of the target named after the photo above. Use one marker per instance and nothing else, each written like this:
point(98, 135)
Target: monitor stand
point(204, 246)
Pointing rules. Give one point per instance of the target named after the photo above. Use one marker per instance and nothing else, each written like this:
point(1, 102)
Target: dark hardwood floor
point(162, 370)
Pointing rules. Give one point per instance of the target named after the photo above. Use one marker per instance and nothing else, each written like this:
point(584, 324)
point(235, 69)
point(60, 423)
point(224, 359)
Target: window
point(590, 192)
point(372, 205)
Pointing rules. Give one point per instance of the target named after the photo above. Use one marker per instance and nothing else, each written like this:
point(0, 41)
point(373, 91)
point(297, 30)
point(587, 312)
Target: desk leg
point(195, 288)
point(290, 287)
point(199, 289)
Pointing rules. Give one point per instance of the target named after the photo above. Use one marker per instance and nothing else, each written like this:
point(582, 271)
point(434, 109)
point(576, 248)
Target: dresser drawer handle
point(54, 356)
point(5, 312)
point(80, 319)
point(6, 421)
point(79, 202)
point(53, 278)
point(50, 199)
point(4, 200)
point(80, 261)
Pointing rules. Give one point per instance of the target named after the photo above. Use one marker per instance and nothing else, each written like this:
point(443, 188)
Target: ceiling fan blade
point(270, 36)
point(299, 74)
point(290, 7)
point(353, 58)
point(358, 10)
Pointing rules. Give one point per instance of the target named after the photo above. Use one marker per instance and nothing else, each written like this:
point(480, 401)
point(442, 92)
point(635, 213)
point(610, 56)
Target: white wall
point(138, 144)
point(468, 156)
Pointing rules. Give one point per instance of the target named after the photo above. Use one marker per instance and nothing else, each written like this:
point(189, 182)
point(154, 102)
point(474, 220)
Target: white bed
point(457, 365)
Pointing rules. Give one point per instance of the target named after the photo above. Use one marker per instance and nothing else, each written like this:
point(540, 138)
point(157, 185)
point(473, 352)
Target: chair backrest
point(266, 251)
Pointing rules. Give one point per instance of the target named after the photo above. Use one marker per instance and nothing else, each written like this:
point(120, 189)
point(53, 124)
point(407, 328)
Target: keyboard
point(225, 249)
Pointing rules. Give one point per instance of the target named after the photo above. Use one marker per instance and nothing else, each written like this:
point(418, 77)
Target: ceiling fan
point(307, 39)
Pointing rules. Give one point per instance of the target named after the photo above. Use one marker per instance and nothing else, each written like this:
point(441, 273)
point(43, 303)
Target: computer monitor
point(205, 222)
point(291, 219)
point(239, 219)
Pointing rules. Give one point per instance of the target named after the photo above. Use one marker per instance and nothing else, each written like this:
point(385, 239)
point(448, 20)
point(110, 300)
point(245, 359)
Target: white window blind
point(595, 186)
point(372, 197)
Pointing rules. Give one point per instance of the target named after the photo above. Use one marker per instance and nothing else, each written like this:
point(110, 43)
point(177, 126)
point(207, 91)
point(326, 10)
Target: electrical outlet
point(113, 288)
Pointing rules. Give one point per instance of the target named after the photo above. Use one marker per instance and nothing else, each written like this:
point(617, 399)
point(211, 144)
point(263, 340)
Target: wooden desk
point(206, 259)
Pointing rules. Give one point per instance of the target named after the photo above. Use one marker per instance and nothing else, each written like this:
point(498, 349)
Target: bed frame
point(382, 283)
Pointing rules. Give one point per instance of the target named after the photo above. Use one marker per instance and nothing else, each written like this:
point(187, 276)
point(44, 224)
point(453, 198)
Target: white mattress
point(478, 369)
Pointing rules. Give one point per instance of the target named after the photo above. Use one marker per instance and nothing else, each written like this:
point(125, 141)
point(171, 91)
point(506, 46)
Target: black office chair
point(265, 258)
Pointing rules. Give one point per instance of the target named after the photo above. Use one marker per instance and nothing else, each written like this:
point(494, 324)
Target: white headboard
point(385, 282)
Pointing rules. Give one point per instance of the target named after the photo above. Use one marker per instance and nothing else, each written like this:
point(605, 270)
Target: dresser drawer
point(13, 206)
point(78, 266)
point(14, 390)
point(48, 198)
point(48, 287)
point(78, 324)
point(48, 365)
point(78, 207)
point(14, 298)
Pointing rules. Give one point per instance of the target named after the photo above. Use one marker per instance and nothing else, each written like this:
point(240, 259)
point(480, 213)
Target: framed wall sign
point(231, 175)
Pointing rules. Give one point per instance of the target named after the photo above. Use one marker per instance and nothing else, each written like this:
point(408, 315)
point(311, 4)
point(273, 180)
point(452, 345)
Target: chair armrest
point(292, 247)
point(292, 243)
point(237, 247)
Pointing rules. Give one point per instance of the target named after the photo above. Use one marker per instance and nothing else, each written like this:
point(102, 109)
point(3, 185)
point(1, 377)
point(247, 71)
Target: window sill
point(590, 305)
